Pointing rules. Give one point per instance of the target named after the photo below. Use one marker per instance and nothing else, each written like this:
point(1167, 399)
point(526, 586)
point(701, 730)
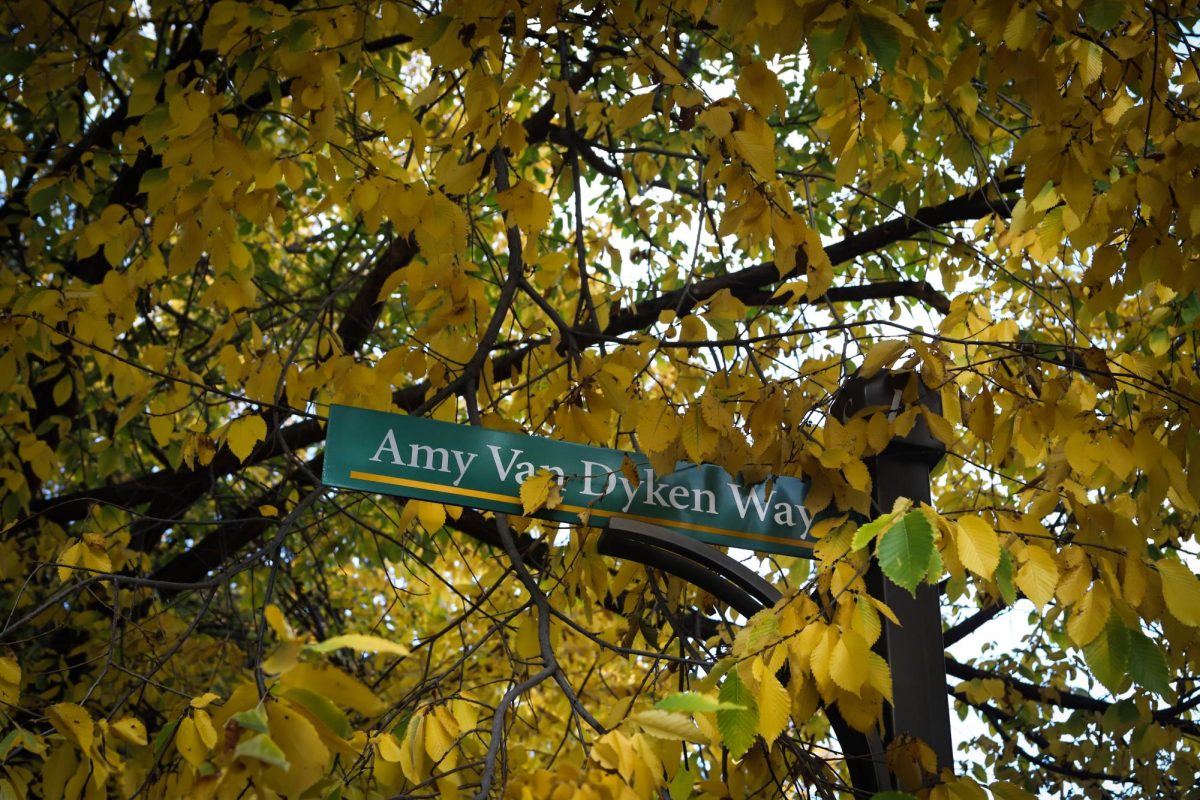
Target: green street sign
point(483, 468)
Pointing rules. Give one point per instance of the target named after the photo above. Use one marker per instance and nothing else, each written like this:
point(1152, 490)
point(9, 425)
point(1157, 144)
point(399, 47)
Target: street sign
point(483, 468)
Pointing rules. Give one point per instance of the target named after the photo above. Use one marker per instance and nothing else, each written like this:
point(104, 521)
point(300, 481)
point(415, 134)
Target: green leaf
point(936, 567)
point(1121, 716)
point(153, 178)
point(1103, 14)
point(866, 533)
point(164, 736)
point(255, 719)
point(691, 702)
point(14, 62)
point(1147, 666)
point(1004, 578)
point(262, 748)
point(1107, 655)
point(881, 39)
point(323, 709)
point(823, 41)
point(905, 550)
point(680, 787)
point(42, 198)
point(694, 703)
point(739, 726)
point(19, 737)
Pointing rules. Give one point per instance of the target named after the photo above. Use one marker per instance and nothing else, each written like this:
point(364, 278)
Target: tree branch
point(1056, 697)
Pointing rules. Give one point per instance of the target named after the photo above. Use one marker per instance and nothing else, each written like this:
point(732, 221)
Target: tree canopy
point(671, 228)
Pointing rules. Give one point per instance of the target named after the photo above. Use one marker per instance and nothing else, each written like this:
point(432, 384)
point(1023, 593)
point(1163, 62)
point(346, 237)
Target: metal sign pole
point(914, 649)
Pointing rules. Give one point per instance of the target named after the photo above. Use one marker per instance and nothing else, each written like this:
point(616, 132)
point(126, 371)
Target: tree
point(675, 228)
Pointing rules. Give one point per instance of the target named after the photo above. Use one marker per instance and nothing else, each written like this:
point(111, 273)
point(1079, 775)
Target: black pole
point(914, 649)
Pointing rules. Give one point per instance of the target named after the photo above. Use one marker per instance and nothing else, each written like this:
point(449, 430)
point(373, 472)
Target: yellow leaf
point(657, 425)
point(388, 748)
point(1089, 615)
point(759, 87)
point(277, 622)
point(774, 707)
point(886, 610)
point(189, 743)
point(69, 558)
point(670, 725)
point(1181, 591)
point(162, 426)
point(1038, 576)
point(10, 680)
point(757, 147)
point(439, 737)
point(1009, 791)
point(284, 657)
point(1083, 454)
point(73, 722)
point(964, 67)
point(413, 758)
point(528, 642)
point(130, 730)
point(699, 440)
point(882, 354)
point(342, 689)
point(717, 119)
point(879, 675)
point(539, 490)
point(205, 729)
point(204, 700)
point(302, 746)
point(361, 642)
point(244, 433)
point(431, 515)
point(634, 111)
point(1091, 61)
point(629, 470)
point(978, 546)
point(849, 662)
point(526, 207)
point(866, 620)
point(10, 670)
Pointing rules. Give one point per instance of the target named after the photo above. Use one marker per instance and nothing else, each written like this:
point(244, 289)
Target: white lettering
point(679, 497)
point(708, 495)
point(743, 504)
point(389, 444)
point(462, 465)
point(602, 469)
point(525, 470)
point(783, 514)
point(430, 452)
point(630, 491)
point(653, 496)
point(501, 469)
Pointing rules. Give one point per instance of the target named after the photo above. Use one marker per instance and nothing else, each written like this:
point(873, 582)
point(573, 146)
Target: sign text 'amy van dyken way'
point(484, 468)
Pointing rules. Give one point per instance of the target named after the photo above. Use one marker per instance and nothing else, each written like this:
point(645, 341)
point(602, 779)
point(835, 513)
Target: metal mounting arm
point(748, 593)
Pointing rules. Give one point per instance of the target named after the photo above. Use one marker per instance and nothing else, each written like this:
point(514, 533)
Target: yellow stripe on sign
point(595, 512)
point(691, 526)
point(434, 487)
